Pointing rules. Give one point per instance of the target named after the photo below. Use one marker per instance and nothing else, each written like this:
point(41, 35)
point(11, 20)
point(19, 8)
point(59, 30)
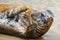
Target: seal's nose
point(50, 13)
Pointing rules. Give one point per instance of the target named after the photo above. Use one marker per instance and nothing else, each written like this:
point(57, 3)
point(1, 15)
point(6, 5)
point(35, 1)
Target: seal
point(23, 21)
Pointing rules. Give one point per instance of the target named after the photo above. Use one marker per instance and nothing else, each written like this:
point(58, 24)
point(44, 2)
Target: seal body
point(25, 22)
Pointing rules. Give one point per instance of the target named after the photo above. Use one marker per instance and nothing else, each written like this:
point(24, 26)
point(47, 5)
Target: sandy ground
point(53, 5)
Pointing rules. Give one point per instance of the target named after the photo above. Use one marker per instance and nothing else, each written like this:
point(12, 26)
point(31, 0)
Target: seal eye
point(10, 16)
point(17, 17)
point(42, 14)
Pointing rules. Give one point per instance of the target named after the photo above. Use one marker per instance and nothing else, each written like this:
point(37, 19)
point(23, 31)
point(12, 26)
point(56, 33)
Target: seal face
point(41, 23)
point(30, 26)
